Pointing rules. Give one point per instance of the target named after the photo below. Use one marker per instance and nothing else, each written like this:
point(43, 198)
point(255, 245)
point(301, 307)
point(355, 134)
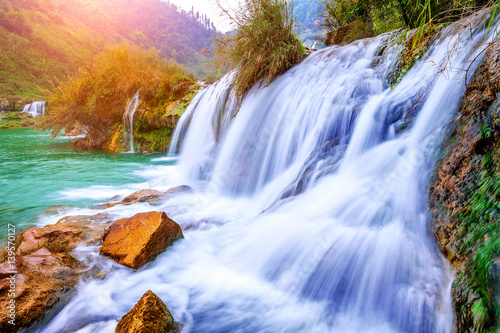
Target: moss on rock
point(465, 200)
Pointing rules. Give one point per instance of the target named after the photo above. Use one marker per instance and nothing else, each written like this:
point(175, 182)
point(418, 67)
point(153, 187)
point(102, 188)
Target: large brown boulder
point(149, 315)
point(139, 239)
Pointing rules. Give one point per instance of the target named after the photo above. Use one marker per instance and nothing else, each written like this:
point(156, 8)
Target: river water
point(36, 173)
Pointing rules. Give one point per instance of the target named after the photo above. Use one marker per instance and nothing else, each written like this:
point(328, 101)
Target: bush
point(96, 97)
point(387, 15)
point(263, 46)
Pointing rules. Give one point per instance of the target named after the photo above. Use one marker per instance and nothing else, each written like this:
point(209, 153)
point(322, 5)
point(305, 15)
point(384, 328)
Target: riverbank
point(37, 173)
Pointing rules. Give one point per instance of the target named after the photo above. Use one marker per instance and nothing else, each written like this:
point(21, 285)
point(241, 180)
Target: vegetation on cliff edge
point(263, 46)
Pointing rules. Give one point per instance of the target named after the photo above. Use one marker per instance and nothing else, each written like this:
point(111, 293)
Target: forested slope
point(43, 39)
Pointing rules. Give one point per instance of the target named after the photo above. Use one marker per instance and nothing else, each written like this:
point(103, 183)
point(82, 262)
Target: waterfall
point(128, 118)
point(35, 108)
point(310, 206)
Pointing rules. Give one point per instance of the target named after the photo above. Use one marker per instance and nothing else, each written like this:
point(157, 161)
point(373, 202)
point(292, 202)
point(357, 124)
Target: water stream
point(310, 206)
point(128, 118)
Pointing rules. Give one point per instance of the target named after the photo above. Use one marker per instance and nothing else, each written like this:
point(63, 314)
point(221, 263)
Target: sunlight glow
point(209, 7)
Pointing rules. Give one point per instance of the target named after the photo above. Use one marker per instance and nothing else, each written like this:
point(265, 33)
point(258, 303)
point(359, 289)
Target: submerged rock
point(150, 196)
point(149, 315)
point(146, 195)
point(178, 190)
point(137, 240)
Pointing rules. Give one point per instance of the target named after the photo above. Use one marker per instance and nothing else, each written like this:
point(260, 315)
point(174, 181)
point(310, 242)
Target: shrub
point(387, 15)
point(97, 95)
point(263, 46)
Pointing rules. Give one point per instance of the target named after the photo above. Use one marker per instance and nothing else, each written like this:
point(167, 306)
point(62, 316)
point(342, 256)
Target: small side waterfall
point(128, 118)
point(35, 108)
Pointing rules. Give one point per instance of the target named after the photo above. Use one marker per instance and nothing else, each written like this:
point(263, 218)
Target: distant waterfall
point(35, 108)
point(128, 118)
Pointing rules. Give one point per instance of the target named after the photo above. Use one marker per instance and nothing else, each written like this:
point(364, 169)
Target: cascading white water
point(35, 108)
point(310, 211)
point(128, 118)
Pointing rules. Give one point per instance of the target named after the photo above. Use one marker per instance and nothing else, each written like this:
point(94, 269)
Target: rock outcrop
point(44, 270)
point(137, 240)
point(464, 199)
point(149, 315)
point(42, 279)
point(66, 234)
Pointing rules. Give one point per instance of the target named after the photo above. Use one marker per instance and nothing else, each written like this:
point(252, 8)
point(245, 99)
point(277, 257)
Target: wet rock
point(43, 269)
point(66, 234)
point(178, 190)
point(137, 240)
point(150, 196)
point(74, 131)
point(149, 315)
point(146, 195)
point(42, 279)
point(462, 175)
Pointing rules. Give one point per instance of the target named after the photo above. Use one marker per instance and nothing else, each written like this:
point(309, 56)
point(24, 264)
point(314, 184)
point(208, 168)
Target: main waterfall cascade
point(309, 212)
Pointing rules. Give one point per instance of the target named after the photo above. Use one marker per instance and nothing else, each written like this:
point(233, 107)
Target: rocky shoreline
point(46, 269)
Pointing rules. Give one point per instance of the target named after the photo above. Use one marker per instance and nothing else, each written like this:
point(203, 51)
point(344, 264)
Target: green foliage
point(481, 221)
point(96, 97)
point(263, 46)
point(387, 15)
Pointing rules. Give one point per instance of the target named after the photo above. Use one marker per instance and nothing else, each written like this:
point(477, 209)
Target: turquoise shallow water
point(36, 173)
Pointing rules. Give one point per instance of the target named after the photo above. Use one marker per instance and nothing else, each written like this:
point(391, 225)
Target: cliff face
point(465, 199)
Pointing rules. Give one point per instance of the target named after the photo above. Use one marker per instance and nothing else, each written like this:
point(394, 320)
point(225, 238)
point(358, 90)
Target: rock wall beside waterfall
point(465, 199)
point(152, 128)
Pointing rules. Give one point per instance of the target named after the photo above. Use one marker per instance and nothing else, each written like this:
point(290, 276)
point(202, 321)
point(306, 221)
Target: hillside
point(43, 39)
point(306, 12)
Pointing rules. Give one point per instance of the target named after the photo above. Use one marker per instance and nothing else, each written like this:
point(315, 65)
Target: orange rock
point(139, 239)
point(149, 315)
point(44, 269)
point(41, 280)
